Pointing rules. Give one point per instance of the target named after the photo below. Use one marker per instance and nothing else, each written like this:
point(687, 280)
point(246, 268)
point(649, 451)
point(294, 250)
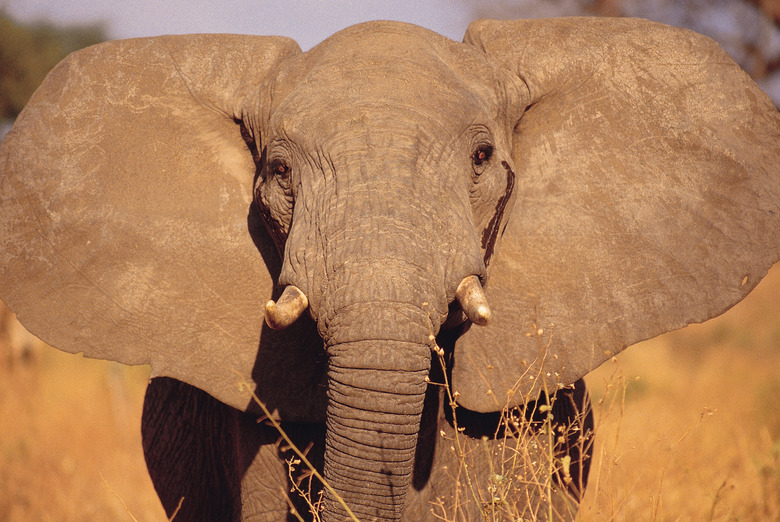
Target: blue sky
point(309, 22)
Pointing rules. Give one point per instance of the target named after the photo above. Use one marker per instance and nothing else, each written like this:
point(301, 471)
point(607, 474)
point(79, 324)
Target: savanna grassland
point(70, 440)
point(688, 428)
point(688, 424)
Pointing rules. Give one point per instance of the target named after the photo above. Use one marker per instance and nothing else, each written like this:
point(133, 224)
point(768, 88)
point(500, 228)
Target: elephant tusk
point(287, 309)
point(473, 301)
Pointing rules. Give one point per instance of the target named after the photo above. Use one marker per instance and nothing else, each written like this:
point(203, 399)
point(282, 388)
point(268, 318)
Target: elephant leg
point(190, 449)
point(499, 466)
point(220, 461)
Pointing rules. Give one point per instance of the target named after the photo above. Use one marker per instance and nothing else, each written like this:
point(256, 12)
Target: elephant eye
point(280, 172)
point(280, 168)
point(482, 154)
point(479, 158)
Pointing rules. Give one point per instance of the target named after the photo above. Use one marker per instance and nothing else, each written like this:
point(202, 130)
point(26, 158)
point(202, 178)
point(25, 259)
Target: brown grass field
point(688, 428)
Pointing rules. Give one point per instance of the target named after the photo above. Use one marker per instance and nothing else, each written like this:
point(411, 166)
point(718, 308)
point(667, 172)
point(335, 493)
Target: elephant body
point(245, 473)
point(432, 230)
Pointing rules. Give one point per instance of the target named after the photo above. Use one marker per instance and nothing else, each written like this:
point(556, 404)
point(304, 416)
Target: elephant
point(395, 252)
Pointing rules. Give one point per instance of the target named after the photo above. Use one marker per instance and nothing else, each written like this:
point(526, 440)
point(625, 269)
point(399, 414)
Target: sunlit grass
point(688, 425)
point(70, 440)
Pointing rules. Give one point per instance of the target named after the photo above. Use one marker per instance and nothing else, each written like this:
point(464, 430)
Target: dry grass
point(688, 425)
point(688, 428)
point(70, 439)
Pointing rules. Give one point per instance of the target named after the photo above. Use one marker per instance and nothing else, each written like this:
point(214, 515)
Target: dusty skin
point(618, 184)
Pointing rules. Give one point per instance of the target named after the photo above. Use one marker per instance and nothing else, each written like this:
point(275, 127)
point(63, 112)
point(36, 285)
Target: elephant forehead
point(388, 42)
point(415, 80)
point(374, 124)
point(381, 97)
point(389, 65)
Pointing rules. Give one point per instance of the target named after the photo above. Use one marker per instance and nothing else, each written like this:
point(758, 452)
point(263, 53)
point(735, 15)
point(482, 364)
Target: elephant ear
point(126, 229)
point(647, 197)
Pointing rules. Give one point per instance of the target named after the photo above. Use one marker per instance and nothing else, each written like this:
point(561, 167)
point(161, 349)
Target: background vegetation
point(27, 53)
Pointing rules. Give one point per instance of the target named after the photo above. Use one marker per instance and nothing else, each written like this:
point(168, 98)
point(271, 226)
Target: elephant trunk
point(378, 270)
point(376, 389)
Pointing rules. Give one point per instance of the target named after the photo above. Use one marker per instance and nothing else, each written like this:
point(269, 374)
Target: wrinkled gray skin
point(604, 180)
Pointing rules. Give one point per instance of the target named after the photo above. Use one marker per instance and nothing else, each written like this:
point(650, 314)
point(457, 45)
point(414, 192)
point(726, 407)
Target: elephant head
point(552, 191)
